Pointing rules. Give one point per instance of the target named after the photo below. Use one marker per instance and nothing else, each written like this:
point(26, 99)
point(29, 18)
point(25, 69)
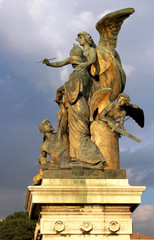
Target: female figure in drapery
point(77, 90)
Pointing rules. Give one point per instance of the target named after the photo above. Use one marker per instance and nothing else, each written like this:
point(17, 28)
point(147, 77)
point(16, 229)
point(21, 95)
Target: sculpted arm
point(56, 64)
point(92, 58)
point(59, 94)
point(43, 157)
point(65, 118)
point(121, 122)
point(104, 115)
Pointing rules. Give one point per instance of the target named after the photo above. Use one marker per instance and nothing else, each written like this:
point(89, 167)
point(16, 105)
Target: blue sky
point(34, 29)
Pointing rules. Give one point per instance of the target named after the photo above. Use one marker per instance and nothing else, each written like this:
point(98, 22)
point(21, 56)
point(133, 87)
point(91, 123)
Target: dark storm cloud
point(12, 201)
point(22, 108)
point(139, 165)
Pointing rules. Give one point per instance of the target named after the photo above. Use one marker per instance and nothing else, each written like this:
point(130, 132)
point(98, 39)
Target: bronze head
point(123, 99)
point(45, 126)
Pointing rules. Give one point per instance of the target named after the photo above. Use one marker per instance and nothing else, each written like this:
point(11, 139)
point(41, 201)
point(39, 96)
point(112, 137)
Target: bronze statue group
point(93, 92)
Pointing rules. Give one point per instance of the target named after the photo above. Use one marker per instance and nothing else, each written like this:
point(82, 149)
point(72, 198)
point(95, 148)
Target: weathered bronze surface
point(90, 104)
point(80, 173)
point(107, 141)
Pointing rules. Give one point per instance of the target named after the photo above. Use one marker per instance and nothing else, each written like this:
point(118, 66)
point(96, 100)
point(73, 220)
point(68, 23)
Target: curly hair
point(88, 38)
point(125, 96)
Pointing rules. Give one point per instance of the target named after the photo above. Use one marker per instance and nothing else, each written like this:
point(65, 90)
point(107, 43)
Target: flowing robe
point(77, 91)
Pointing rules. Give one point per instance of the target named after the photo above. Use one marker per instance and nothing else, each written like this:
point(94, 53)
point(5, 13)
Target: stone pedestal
point(83, 208)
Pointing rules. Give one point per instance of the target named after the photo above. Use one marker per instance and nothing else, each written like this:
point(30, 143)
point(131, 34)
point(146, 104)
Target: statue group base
point(83, 204)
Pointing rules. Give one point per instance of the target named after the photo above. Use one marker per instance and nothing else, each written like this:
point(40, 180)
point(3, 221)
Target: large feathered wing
point(136, 113)
point(109, 27)
point(108, 65)
point(99, 101)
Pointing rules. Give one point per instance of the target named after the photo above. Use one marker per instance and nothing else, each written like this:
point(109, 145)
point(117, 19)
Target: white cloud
point(143, 213)
point(37, 7)
point(123, 149)
point(143, 219)
point(32, 27)
point(76, 3)
point(137, 176)
point(128, 69)
point(103, 14)
point(61, 56)
point(141, 175)
point(64, 74)
point(82, 22)
point(130, 173)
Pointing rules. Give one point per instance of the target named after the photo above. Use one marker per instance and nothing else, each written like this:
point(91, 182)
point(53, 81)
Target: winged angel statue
point(103, 60)
point(88, 99)
point(105, 65)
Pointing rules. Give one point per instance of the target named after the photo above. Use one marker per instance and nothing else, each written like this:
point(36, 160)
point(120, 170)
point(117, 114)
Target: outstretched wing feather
point(100, 100)
point(136, 113)
point(109, 27)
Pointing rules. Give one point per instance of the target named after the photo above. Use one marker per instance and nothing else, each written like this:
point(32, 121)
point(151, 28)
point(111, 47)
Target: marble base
point(83, 221)
point(83, 208)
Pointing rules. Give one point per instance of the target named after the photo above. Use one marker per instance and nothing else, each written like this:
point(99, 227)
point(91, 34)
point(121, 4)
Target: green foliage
point(17, 227)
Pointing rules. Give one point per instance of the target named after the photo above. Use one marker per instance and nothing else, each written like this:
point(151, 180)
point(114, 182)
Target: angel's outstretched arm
point(56, 64)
